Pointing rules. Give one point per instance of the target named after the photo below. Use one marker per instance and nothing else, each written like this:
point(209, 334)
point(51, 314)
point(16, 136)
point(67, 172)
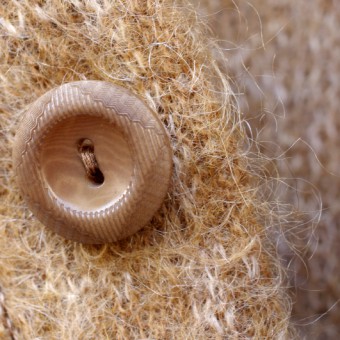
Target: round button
point(93, 162)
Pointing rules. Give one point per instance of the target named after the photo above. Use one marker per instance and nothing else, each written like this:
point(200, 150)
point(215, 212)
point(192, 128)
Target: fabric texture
point(205, 267)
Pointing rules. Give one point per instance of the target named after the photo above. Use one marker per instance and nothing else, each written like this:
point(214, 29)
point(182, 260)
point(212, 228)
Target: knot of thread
point(86, 151)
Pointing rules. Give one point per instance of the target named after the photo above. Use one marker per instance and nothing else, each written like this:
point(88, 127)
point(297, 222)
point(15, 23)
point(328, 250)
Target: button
point(93, 162)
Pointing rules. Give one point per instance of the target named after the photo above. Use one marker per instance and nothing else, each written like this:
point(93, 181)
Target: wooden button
point(93, 162)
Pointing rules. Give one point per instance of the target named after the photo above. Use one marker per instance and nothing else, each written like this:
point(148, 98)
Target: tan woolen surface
point(203, 268)
point(283, 57)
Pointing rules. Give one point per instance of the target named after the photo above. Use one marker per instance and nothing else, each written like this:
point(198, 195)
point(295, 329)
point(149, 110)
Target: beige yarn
point(284, 59)
point(203, 268)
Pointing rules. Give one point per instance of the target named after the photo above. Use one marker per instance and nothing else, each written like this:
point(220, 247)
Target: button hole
point(86, 151)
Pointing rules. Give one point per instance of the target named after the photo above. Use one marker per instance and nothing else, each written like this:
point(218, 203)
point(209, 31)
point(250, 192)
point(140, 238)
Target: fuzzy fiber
point(204, 267)
point(283, 58)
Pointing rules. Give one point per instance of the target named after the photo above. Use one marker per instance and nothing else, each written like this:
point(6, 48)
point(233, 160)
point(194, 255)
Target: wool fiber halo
point(203, 268)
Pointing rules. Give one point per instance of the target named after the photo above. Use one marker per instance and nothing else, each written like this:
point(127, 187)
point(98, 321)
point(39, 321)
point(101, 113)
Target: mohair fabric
point(204, 267)
point(283, 59)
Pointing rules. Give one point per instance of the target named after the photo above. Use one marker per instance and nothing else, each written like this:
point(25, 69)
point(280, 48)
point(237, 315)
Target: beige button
point(93, 162)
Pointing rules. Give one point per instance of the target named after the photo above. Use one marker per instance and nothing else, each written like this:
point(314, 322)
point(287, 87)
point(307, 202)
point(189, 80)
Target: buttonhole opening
point(91, 166)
